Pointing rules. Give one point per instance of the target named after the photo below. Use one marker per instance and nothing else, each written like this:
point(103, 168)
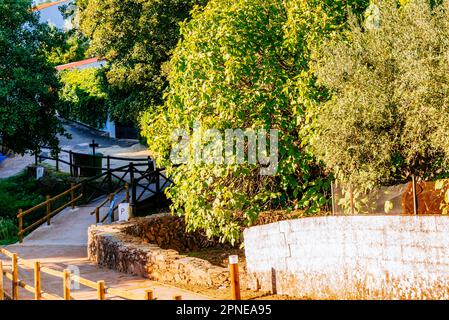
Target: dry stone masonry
point(351, 257)
point(144, 247)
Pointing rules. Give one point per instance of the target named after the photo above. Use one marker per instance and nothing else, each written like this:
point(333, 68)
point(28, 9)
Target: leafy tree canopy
point(28, 84)
point(244, 64)
point(388, 116)
point(136, 37)
point(82, 96)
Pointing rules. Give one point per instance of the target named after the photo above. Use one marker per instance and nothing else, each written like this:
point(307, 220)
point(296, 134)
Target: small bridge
point(53, 238)
point(139, 182)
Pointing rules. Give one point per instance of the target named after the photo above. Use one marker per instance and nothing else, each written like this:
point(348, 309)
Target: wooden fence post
point(71, 163)
point(97, 214)
point(48, 210)
point(15, 277)
point(235, 279)
point(133, 189)
point(57, 162)
point(127, 192)
point(37, 281)
point(415, 196)
point(72, 195)
point(109, 175)
point(149, 294)
point(2, 296)
point(158, 180)
point(66, 284)
point(19, 216)
point(101, 293)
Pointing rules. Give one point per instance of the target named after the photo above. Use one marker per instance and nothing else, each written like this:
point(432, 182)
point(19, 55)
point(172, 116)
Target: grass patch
point(23, 191)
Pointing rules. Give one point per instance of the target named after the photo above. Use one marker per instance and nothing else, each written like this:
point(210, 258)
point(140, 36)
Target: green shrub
point(244, 64)
point(388, 117)
point(24, 191)
point(82, 96)
point(8, 231)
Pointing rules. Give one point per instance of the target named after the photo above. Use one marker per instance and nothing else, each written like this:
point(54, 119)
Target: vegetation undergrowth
point(23, 191)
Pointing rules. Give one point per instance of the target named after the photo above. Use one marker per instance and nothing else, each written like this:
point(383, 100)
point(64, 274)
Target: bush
point(8, 231)
point(82, 96)
point(244, 64)
point(388, 117)
point(23, 192)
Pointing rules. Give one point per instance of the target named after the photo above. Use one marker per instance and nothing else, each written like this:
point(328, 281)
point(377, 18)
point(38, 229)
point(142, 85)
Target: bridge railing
point(109, 200)
point(67, 279)
point(54, 155)
point(135, 179)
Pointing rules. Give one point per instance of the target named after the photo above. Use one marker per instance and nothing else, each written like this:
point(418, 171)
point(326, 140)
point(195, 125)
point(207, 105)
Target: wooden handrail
point(65, 275)
point(50, 213)
point(96, 211)
point(40, 205)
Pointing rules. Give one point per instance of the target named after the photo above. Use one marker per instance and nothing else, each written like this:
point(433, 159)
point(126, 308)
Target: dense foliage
point(388, 116)
point(28, 83)
point(69, 47)
point(244, 64)
point(82, 96)
point(136, 37)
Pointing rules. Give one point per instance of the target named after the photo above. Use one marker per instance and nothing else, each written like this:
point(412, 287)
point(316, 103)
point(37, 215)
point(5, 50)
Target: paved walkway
point(63, 245)
point(80, 139)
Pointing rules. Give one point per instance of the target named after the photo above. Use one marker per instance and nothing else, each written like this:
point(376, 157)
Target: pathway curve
point(63, 245)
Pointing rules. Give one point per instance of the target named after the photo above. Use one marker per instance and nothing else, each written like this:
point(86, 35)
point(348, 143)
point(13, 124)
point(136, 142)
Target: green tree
point(68, 45)
point(244, 64)
point(28, 83)
point(388, 117)
point(136, 37)
point(82, 96)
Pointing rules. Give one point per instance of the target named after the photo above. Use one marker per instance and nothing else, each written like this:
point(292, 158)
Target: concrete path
point(80, 139)
point(63, 245)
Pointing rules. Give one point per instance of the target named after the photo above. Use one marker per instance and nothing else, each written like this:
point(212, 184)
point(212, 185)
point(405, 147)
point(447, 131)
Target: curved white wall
point(344, 257)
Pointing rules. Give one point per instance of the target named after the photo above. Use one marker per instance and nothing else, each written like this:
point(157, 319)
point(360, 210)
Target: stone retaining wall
point(351, 257)
point(125, 248)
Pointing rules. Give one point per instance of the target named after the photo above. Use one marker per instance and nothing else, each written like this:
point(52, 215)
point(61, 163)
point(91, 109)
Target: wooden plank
point(26, 263)
point(6, 253)
point(101, 292)
point(2, 295)
point(25, 286)
point(149, 294)
point(55, 212)
point(66, 284)
point(52, 272)
point(85, 282)
point(15, 277)
point(37, 281)
point(48, 296)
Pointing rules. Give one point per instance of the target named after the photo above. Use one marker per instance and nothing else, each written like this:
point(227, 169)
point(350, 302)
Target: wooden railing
point(50, 211)
point(66, 277)
point(109, 200)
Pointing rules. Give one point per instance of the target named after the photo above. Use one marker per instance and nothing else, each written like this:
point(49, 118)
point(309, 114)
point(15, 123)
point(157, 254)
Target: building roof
point(80, 64)
point(47, 5)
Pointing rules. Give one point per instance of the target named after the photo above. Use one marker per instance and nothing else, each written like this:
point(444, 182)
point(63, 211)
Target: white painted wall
point(352, 257)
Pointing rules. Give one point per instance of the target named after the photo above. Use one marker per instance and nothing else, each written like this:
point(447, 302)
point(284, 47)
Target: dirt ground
point(219, 257)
